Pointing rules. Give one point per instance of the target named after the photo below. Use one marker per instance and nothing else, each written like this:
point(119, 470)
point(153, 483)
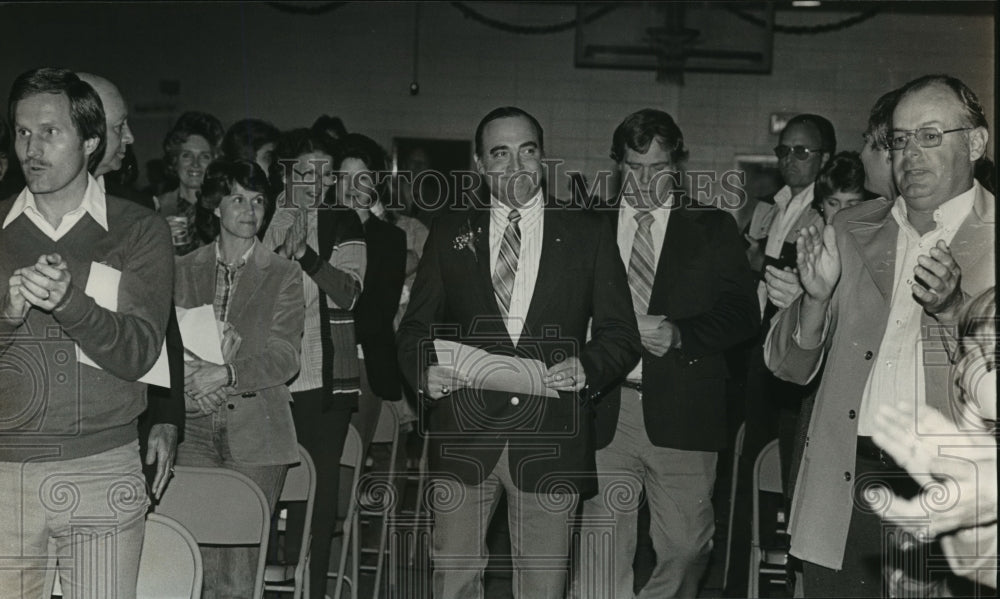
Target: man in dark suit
point(661, 429)
point(161, 426)
point(519, 279)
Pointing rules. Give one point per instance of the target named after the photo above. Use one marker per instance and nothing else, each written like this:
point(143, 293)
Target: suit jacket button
point(847, 476)
point(852, 414)
point(515, 400)
point(868, 355)
point(231, 406)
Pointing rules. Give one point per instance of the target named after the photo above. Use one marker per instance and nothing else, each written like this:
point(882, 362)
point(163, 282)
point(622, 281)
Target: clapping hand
point(783, 286)
point(943, 278)
point(15, 306)
point(45, 283)
point(969, 486)
point(818, 261)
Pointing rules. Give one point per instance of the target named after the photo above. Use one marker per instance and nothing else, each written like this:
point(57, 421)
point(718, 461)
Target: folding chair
point(170, 566)
point(766, 479)
point(352, 457)
point(378, 497)
point(300, 485)
point(220, 507)
point(737, 454)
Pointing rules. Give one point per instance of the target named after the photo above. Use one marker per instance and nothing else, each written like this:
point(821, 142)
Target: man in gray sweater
point(85, 288)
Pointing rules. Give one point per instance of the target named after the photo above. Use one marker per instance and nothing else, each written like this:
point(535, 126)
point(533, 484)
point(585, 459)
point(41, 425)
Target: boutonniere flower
point(466, 239)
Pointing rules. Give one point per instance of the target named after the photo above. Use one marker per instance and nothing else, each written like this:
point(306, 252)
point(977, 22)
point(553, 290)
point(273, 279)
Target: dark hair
point(188, 124)
point(4, 137)
point(221, 178)
point(85, 108)
point(827, 136)
point(844, 172)
point(368, 151)
point(974, 114)
point(245, 138)
point(641, 128)
point(502, 113)
point(295, 143)
point(327, 123)
point(880, 120)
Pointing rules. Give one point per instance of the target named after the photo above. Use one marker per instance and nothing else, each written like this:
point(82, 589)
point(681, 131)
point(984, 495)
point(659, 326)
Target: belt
point(637, 386)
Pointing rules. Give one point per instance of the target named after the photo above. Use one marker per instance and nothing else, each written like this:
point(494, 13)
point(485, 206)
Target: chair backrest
point(300, 485)
point(219, 507)
point(352, 457)
point(170, 567)
point(387, 428)
point(767, 469)
point(300, 481)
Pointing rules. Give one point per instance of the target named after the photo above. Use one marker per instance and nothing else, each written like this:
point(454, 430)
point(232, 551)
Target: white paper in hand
point(201, 333)
point(492, 372)
point(102, 287)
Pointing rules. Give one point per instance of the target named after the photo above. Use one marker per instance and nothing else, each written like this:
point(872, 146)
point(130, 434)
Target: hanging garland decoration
point(808, 29)
point(311, 9)
point(471, 13)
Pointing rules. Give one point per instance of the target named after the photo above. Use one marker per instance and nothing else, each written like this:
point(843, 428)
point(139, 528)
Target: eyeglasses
point(799, 152)
point(926, 137)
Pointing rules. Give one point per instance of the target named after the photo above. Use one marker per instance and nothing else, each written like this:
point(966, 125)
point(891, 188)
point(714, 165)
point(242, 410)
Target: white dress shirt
point(627, 226)
point(532, 219)
point(788, 210)
point(898, 375)
point(93, 203)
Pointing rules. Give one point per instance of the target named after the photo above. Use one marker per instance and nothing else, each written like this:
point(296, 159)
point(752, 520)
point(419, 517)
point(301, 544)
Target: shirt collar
point(239, 263)
point(948, 216)
point(530, 212)
point(660, 213)
point(94, 203)
point(784, 196)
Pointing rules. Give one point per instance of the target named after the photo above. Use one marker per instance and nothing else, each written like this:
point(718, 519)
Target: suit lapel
point(479, 222)
point(251, 278)
point(678, 240)
point(973, 240)
point(875, 234)
point(551, 265)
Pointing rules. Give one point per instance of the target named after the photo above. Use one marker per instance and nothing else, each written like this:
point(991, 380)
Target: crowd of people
point(853, 319)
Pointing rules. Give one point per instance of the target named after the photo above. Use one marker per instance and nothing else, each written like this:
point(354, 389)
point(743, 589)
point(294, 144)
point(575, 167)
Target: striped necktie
point(506, 269)
point(642, 264)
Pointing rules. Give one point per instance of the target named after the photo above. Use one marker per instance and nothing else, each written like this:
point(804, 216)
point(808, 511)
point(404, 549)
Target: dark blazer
point(268, 312)
point(385, 249)
point(580, 277)
point(703, 285)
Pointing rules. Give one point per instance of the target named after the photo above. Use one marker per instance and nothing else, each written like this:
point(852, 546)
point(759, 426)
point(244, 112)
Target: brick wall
point(238, 60)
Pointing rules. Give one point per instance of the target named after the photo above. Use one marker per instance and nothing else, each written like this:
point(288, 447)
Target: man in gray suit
point(883, 287)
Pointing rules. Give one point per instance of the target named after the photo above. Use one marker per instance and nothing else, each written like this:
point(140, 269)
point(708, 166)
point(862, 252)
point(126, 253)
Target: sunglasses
point(799, 152)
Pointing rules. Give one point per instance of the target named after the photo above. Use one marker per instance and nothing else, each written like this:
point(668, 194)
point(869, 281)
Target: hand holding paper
point(492, 372)
point(658, 334)
point(442, 380)
point(567, 375)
